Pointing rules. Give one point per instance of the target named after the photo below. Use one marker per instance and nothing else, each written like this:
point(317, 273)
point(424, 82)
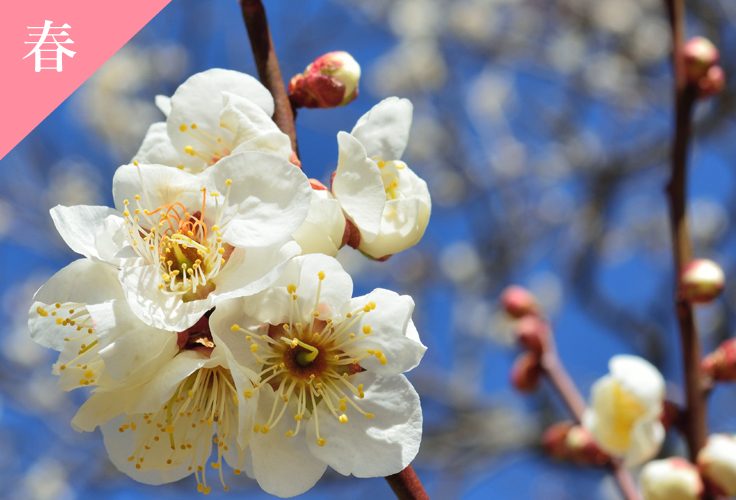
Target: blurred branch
point(267, 64)
point(695, 416)
point(560, 379)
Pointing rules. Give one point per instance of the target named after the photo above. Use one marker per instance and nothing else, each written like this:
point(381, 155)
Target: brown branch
point(694, 422)
point(406, 485)
point(269, 72)
point(554, 369)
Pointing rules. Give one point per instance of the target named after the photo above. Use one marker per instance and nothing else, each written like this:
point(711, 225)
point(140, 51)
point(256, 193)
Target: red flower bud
point(720, 365)
point(518, 301)
point(330, 81)
point(712, 83)
point(701, 281)
point(526, 372)
point(700, 55)
point(567, 441)
point(532, 333)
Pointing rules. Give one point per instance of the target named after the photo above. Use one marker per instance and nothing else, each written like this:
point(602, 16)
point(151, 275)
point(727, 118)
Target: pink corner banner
point(77, 37)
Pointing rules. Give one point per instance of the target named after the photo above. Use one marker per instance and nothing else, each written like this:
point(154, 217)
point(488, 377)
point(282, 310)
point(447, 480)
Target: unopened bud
point(583, 448)
point(518, 301)
point(532, 333)
point(720, 365)
point(526, 372)
point(554, 440)
point(712, 83)
point(329, 81)
point(717, 462)
point(567, 441)
point(671, 479)
point(700, 55)
point(701, 281)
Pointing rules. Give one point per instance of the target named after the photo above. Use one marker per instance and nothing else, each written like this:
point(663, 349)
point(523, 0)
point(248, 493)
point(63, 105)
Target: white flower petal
point(100, 408)
point(167, 312)
point(88, 230)
point(81, 281)
point(157, 149)
point(163, 186)
point(358, 186)
point(647, 438)
point(283, 466)
point(163, 103)
point(384, 130)
point(120, 446)
point(159, 390)
point(375, 447)
point(251, 270)
point(271, 194)
point(639, 377)
point(231, 312)
point(199, 101)
point(239, 459)
point(323, 230)
point(252, 128)
point(313, 239)
point(132, 350)
point(389, 322)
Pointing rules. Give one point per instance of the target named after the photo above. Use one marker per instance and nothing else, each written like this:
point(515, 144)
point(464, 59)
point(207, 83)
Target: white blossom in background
point(381, 196)
point(331, 389)
point(113, 101)
point(182, 242)
point(671, 479)
point(211, 115)
point(717, 462)
point(625, 409)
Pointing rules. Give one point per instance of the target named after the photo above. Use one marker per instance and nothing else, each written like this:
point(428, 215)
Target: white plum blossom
point(331, 389)
point(212, 115)
point(717, 462)
point(671, 479)
point(625, 409)
point(158, 425)
point(380, 195)
point(184, 241)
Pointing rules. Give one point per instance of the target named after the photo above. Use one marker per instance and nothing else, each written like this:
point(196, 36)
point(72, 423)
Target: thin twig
point(554, 369)
point(694, 422)
point(406, 485)
point(267, 64)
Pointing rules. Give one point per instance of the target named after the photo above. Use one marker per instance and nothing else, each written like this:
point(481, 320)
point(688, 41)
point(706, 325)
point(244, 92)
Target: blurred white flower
point(625, 409)
point(671, 479)
point(717, 462)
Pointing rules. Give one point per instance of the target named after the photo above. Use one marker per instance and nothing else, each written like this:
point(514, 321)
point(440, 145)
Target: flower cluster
point(209, 316)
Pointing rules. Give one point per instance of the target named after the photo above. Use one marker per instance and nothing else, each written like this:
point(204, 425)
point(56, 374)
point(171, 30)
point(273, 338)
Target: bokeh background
point(542, 128)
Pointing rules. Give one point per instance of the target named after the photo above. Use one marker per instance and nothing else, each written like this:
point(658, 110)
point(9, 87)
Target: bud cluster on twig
point(701, 59)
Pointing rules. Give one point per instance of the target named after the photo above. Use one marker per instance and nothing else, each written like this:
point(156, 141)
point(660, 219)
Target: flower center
point(626, 411)
point(197, 337)
point(390, 176)
point(189, 253)
point(185, 422)
point(208, 147)
point(314, 363)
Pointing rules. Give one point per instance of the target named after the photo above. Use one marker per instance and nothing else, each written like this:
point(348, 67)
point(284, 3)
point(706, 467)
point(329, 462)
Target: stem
point(406, 485)
point(269, 72)
point(694, 423)
point(554, 369)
